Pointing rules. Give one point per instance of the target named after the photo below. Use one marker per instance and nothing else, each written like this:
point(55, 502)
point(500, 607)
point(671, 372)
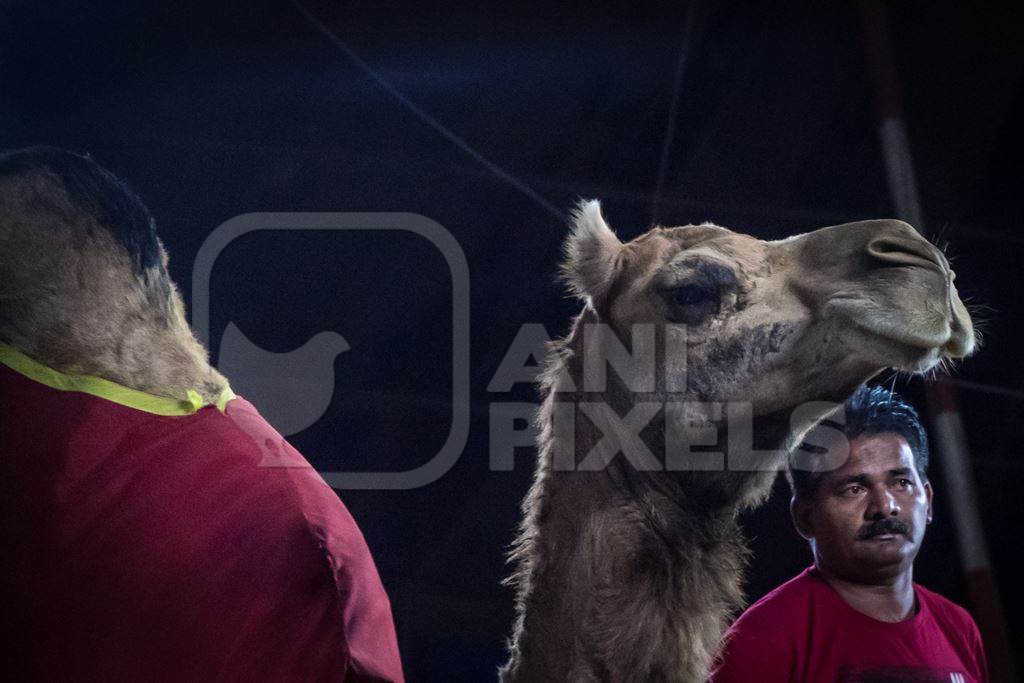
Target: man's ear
point(800, 511)
point(929, 492)
point(591, 254)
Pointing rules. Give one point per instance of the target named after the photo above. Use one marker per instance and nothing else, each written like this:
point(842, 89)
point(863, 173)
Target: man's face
point(866, 519)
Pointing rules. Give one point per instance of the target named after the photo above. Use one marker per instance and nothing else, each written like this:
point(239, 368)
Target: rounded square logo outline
point(432, 231)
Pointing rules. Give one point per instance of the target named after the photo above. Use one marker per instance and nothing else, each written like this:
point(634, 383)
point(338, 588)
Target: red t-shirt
point(803, 631)
point(191, 547)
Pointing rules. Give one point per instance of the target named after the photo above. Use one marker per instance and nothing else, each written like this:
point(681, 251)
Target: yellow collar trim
point(105, 389)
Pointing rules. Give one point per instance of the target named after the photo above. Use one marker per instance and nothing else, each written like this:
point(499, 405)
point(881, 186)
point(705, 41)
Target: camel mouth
point(925, 324)
point(889, 343)
point(902, 350)
point(923, 364)
point(912, 340)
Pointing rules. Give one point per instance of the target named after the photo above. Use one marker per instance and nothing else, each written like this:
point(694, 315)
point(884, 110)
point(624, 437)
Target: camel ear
point(591, 253)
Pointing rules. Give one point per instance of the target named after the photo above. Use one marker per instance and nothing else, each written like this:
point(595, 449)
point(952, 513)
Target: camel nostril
point(903, 251)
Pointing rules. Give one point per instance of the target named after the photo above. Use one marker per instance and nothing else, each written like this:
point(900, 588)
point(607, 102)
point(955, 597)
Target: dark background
point(217, 109)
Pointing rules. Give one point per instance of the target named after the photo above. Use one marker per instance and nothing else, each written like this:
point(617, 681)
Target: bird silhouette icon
point(293, 389)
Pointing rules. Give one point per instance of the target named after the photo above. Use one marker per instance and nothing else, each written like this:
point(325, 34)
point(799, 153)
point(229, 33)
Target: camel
point(626, 571)
point(155, 525)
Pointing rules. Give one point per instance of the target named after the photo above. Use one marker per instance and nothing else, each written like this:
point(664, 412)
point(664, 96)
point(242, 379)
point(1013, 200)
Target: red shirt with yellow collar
point(153, 539)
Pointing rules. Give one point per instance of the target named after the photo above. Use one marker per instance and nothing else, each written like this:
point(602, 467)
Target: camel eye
point(691, 295)
point(691, 304)
point(694, 289)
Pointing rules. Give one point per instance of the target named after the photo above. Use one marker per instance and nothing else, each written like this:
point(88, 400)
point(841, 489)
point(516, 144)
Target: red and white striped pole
point(948, 428)
point(982, 588)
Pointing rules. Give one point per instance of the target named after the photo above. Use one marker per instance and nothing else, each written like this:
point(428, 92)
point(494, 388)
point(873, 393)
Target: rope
point(426, 118)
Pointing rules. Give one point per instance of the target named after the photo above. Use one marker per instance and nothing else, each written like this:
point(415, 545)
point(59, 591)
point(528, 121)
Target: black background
point(217, 109)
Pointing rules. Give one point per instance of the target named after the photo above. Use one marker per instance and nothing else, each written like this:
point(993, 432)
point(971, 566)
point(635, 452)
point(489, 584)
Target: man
point(862, 499)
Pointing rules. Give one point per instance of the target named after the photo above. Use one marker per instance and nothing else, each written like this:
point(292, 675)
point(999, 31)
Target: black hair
point(869, 411)
point(97, 191)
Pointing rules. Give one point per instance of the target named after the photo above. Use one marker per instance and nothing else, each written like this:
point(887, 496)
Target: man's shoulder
point(791, 603)
point(794, 595)
point(957, 626)
point(946, 612)
point(763, 644)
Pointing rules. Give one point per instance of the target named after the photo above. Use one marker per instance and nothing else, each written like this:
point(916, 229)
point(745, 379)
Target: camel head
point(772, 324)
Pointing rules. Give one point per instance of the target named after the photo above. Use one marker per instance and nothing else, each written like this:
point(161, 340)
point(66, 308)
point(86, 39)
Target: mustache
point(889, 525)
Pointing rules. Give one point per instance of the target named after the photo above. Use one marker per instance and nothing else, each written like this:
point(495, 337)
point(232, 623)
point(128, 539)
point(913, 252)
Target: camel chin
point(926, 360)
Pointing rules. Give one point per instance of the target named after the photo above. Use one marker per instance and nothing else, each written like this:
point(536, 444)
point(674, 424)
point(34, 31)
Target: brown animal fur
point(70, 299)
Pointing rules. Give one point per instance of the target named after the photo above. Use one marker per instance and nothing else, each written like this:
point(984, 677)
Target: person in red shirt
point(155, 526)
point(862, 499)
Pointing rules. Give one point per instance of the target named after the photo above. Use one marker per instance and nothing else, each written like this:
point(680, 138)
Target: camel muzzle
point(889, 281)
